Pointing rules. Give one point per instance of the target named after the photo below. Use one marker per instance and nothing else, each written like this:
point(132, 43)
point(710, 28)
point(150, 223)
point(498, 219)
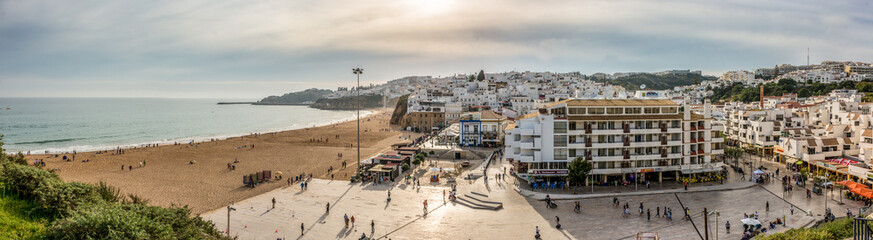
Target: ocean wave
point(50, 141)
point(165, 141)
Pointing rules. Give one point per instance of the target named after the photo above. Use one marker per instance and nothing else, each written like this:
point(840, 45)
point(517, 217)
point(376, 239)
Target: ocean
point(90, 124)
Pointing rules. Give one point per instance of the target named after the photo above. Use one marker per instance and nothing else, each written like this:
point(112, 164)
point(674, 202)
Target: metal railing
point(861, 230)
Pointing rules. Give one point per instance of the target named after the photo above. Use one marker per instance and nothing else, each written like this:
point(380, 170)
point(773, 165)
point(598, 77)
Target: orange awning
point(864, 192)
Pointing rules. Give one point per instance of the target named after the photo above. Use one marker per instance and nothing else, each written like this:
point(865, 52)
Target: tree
point(481, 75)
point(578, 170)
point(471, 78)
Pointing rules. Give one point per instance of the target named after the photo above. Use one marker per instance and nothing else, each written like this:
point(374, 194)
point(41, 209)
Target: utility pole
point(358, 72)
point(705, 224)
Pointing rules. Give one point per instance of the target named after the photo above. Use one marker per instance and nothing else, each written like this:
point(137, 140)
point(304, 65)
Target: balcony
point(717, 140)
point(693, 140)
point(701, 140)
point(526, 145)
point(608, 145)
point(717, 151)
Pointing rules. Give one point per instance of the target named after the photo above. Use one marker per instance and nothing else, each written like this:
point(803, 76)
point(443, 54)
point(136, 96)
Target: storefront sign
point(550, 172)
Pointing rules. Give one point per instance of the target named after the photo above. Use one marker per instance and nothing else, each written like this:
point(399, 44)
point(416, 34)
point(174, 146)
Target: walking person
point(327, 209)
point(727, 227)
point(372, 226)
point(301, 229)
point(648, 214)
point(658, 212)
point(274, 203)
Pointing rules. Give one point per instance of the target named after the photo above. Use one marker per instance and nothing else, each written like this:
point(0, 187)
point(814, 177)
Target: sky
point(252, 49)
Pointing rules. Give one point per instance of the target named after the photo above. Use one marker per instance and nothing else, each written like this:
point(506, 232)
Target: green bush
point(46, 189)
point(63, 198)
point(131, 221)
point(838, 229)
point(24, 180)
point(404, 167)
point(108, 193)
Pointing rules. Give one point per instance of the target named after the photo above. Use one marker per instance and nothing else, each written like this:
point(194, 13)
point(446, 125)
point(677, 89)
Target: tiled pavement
point(402, 218)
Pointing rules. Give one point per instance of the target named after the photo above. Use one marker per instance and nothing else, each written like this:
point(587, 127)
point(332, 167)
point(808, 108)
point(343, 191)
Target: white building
point(620, 137)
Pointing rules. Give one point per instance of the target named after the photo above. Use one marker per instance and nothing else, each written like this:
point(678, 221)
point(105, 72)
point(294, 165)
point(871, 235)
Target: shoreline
point(198, 175)
point(196, 139)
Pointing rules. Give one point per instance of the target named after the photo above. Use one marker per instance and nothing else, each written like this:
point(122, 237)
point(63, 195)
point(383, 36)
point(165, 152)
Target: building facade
point(649, 138)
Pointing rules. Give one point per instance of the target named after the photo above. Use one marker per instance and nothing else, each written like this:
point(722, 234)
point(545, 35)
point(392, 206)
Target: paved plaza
point(404, 218)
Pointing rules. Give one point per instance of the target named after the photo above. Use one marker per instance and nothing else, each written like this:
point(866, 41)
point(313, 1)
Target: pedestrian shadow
point(268, 210)
point(344, 232)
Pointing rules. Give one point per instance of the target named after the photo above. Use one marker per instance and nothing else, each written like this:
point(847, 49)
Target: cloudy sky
point(250, 49)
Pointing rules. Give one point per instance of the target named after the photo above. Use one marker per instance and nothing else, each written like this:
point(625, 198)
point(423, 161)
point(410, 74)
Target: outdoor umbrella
point(434, 169)
point(758, 172)
point(749, 221)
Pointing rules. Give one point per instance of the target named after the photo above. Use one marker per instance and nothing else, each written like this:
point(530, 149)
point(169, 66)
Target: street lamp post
point(229, 208)
point(716, 214)
point(358, 72)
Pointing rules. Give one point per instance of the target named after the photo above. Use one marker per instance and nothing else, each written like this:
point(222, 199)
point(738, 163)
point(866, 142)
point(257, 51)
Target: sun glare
point(431, 6)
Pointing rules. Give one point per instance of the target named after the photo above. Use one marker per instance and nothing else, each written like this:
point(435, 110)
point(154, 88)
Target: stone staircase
point(476, 200)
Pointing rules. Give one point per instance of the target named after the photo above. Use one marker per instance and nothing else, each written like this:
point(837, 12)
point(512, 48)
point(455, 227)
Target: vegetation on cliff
point(302, 97)
point(657, 82)
point(349, 103)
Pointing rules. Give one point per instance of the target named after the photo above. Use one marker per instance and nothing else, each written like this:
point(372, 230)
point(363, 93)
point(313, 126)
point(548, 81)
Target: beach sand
point(168, 178)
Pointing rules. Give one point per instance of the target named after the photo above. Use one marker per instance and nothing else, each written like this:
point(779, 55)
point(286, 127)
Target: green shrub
point(404, 167)
point(63, 198)
point(108, 193)
point(24, 180)
point(131, 221)
point(838, 229)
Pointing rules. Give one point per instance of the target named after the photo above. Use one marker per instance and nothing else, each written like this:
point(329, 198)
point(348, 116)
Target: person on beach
point(327, 209)
point(122, 167)
point(301, 229)
point(274, 203)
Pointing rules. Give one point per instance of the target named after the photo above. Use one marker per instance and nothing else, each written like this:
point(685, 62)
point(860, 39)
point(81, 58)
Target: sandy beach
point(168, 178)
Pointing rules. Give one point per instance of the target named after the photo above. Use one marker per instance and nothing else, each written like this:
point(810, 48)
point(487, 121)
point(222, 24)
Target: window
point(595, 111)
point(601, 165)
point(576, 110)
point(634, 110)
point(669, 110)
point(560, 154)
point(652, 110)
point(560, 140)
point(560, 127)
point(614, 111)
point(846, 147)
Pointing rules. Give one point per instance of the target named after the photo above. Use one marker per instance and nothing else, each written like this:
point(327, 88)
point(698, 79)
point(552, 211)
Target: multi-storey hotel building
point(650, 138)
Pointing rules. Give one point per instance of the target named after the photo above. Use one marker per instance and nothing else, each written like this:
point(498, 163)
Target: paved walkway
point(404, 218)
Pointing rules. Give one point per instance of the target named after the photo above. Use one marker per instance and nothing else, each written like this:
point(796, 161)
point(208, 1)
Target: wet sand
point(168, 178)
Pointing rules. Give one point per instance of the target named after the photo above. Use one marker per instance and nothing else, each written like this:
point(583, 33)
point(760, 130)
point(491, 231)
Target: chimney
point(707, 111)
point(762, 96)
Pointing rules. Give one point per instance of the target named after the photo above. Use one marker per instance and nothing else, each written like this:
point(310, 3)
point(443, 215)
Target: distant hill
point(657, 82)
point(349, 103)
point(303, 97)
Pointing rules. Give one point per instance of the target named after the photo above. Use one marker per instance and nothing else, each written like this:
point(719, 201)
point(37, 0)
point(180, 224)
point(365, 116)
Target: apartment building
point(647, 137)
point(484, 128)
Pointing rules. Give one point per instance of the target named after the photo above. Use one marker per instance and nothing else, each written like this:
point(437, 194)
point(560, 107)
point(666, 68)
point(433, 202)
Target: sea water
point(87, 124)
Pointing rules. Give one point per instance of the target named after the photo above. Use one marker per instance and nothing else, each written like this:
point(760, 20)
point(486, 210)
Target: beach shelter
point(758, 172)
